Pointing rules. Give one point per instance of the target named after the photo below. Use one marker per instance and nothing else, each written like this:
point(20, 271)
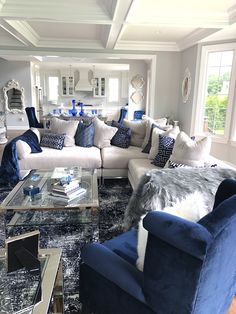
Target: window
point(216, 89)
point(113, 89)
point(53, 83)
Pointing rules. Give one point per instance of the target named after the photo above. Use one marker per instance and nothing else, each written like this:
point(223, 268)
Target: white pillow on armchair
point(191, 208)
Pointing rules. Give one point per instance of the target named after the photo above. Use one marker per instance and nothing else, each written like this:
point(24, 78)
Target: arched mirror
point(14, 97)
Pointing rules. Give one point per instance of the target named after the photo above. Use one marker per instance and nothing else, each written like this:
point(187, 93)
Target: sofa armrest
point(114, 268)
point(185, 235)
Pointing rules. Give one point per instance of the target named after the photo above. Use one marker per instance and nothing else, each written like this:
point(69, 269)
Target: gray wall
point(167, 84)
point(185, 110)
point(20, 72)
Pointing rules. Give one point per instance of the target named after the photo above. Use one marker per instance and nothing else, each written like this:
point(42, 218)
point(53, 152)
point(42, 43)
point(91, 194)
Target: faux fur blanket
point(161, 188)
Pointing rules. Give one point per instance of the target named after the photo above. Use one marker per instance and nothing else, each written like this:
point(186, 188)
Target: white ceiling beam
point(24, 30)
point(2, 2)
point(194, 37)
point(111, 34)
point(232, 14)
point(146, 45)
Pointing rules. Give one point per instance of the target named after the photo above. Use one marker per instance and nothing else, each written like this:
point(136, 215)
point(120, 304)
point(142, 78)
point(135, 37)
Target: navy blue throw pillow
point(53, 140)
point(122, 137)
point(84, 135)
point(166, 145)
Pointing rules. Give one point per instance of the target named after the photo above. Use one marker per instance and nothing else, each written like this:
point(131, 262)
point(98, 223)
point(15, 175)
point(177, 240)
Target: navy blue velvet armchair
point(32, 119)
point(189, 267)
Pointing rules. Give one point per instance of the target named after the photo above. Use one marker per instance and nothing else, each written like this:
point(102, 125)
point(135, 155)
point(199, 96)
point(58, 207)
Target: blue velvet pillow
point(53, 140)
point(122, 137)
point(84, 135)
point(166, 145)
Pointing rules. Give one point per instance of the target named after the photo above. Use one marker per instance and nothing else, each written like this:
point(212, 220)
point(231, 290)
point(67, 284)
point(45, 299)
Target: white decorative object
point(3, 130)
point(186, 85)
point(137, 81)
point(137, 97)
point(14, 97)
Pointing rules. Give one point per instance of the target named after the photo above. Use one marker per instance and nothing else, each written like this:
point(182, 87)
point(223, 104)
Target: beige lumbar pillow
point(68, 128)
point(191, 208)
point(149, 122)
point(103, 133)
point(138, 131)
point(189, 152)
point(155, 139)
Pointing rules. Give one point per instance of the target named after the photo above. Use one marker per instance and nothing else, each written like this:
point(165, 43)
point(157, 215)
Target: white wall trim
point(72, 43)
point(17, 127)
point(148, 45)
point(25, 30)
point(2, 2)
point(232, 14)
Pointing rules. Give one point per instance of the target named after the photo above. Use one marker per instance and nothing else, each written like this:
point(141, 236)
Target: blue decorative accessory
point(74, 110)
point(52, 140)
point(84, 135)
point(31, 190)
point(166, 145)
point(122, 137)
point(81, 113)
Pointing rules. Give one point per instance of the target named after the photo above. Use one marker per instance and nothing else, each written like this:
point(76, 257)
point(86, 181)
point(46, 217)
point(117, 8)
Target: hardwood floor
point(10, 135)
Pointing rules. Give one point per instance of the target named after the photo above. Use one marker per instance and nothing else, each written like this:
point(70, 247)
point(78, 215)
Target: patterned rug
point(71, 237)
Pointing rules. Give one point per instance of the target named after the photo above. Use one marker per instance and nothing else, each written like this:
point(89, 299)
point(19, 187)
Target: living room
point(173, 61)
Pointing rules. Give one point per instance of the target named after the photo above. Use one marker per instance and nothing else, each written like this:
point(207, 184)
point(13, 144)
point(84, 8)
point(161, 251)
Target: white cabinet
point(100, 87)
point(67, 85)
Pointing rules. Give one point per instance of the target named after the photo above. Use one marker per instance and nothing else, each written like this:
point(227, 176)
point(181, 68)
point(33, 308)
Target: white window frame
point(119, 88)
point(202, 90)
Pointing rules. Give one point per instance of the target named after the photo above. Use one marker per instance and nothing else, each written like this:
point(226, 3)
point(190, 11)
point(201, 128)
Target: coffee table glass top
point(17, 200)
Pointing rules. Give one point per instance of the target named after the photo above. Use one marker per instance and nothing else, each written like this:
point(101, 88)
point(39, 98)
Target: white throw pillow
point(155, 139)
point(192, 208)
point(138, 131)
point(103, 133)
point(189, 152)
point(23, 149)
point(159, 122)
point(68, 128)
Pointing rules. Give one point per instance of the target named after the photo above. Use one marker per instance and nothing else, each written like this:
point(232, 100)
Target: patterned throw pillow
point(171, 164)
point(84, 135)
point(52, 140)
point(122, 137)
point(166, 145)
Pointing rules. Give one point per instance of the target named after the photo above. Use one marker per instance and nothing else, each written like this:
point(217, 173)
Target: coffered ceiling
point(114, 25)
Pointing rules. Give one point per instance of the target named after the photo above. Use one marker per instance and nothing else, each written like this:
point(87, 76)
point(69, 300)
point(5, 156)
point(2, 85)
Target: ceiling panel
point(66, 30)
point(155, 33)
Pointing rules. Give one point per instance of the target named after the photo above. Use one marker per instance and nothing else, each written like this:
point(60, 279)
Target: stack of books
point(68, 191)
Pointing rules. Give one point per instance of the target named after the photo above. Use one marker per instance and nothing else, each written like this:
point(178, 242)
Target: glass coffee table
point(44, 210)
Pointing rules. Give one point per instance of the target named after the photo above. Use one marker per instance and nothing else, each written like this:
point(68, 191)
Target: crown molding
point(194, 37)
point(70, 43)
point(232, 14)
point(25, 30)
point(146, 45)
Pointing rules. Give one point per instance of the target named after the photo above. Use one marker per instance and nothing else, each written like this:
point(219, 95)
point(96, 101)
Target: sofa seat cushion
point(125, 245)
point(118, 158)
point(86, 157)
point(138, 167)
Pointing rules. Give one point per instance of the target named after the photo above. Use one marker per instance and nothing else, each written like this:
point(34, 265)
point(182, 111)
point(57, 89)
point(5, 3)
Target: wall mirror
point(14, 97)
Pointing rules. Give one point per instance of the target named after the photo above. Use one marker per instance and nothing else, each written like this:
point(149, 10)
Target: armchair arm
point(114, 268)
point(185, 235)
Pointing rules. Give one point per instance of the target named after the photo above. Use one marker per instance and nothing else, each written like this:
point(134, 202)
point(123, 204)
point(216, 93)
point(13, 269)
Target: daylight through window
point(53, 82)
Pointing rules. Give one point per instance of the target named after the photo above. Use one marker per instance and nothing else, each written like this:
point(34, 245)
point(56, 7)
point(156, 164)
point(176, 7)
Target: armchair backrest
point(191, 267)
point(32, 119)
point(123, 112)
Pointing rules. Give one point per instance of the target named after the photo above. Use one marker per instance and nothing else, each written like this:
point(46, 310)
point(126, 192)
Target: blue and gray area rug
point(71, 234)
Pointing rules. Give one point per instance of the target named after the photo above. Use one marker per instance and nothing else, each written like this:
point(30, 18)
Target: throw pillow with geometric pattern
point(122, 137)
point(166, 145)
point(53, 140)
point(84, 135)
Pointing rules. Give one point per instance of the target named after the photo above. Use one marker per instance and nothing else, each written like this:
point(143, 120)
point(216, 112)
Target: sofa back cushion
point(150, 123)
point(138, 131)
point(84, 135)
point(103, 133)
point(68, 128)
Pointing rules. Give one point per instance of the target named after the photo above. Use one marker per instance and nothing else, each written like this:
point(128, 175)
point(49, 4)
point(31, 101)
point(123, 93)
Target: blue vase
point(81, 113)
point(74, 110)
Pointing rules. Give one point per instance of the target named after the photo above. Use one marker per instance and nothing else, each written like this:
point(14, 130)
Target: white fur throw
point(192, 208)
